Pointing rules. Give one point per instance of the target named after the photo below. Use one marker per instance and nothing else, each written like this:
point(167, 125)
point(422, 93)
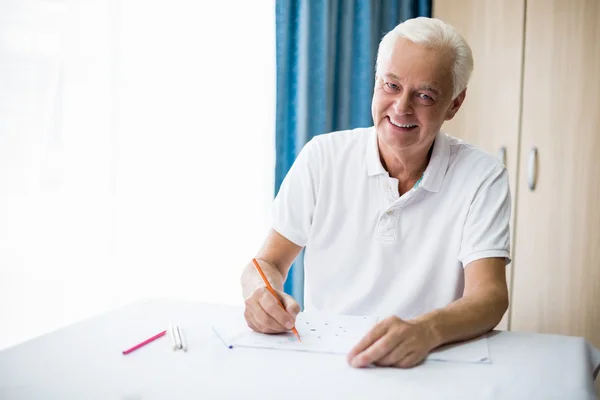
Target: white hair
point(437, 34)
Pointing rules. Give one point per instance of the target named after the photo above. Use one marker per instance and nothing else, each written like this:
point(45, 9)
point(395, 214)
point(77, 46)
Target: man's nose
point(403, 104)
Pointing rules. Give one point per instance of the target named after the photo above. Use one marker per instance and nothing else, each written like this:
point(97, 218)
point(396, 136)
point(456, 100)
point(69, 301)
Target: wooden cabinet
point(557, 275)
point(536, 91)
point(489, 117)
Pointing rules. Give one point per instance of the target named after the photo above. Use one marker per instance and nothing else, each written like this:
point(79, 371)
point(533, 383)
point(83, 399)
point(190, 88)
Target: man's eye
point(392, 86)
point(426, 99)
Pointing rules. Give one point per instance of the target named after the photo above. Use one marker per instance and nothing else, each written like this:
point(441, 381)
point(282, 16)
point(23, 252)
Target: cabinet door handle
point(502, 154)
point(532, 169)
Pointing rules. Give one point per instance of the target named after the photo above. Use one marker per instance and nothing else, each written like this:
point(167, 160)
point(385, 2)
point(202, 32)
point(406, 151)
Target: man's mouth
point(402, 126)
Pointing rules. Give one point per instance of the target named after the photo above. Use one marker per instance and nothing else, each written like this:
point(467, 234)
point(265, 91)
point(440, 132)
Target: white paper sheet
point(338, 334)
point(472, 351)
point(319, 333)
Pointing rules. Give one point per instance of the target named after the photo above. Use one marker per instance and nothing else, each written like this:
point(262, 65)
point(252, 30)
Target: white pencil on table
point(177, 338)
point(173, 337)
point(181, 338)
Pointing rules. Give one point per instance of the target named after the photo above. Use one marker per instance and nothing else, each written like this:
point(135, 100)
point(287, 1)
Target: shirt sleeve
point(486, 231)
point(294, 205)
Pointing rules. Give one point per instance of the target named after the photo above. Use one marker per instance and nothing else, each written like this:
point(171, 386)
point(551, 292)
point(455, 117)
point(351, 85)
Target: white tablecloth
point(84, 361)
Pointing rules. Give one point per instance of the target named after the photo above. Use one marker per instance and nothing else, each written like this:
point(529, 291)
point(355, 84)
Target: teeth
point(401, 125)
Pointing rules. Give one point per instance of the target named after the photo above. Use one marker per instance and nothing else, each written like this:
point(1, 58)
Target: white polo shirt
point(370, 251)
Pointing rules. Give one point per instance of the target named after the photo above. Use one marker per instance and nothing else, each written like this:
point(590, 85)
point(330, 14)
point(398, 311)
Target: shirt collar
point(438, 164)
point(435, 172)
point(374, 166)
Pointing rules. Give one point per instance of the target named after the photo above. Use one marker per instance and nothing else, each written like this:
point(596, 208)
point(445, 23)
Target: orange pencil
point(264, 278)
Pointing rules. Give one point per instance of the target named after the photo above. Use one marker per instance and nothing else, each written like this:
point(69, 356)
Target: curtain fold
point(326, 52)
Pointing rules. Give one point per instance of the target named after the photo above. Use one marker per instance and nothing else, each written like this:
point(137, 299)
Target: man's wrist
point(251, 280)
point(430, 323)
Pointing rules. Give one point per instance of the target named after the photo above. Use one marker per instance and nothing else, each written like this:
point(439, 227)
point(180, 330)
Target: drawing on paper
point(318, 333)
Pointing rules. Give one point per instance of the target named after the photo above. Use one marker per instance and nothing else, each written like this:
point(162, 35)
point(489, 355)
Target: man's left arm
point(398, 343)
point(484, 254)
point(484, 302)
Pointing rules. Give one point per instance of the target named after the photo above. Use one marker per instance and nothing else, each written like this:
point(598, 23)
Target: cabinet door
point(489, 117)
point(556, 282)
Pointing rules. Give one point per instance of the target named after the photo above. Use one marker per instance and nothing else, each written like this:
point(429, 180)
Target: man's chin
point(397, 143)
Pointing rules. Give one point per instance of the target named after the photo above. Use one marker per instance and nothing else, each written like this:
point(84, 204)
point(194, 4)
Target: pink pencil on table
point(145, 342)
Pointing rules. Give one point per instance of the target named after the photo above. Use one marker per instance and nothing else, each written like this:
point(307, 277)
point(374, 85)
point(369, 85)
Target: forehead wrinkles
point(425, 65)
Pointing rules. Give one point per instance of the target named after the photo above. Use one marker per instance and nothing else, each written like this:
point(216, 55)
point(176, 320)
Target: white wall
point(136, 154)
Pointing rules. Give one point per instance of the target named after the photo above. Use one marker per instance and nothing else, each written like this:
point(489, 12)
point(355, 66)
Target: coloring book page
point(338, 334)
point(320, 333)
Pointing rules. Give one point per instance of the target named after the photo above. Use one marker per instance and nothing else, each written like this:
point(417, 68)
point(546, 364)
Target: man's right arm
point(263, 313)
point(293, 210)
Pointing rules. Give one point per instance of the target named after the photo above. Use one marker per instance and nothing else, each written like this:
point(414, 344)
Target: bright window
point(136, 154)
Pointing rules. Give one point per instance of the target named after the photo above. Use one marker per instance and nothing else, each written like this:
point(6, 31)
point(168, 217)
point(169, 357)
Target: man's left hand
point(393, 343)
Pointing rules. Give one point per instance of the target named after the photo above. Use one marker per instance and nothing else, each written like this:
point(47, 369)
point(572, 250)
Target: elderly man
point(398, 220)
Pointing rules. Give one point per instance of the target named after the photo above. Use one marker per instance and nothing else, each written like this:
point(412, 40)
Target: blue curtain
point(326, 52)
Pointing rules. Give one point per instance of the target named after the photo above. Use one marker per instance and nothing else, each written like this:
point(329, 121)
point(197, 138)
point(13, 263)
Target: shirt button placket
point(387, 223)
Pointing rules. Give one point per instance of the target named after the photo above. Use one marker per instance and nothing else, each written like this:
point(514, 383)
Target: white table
point(84, 361)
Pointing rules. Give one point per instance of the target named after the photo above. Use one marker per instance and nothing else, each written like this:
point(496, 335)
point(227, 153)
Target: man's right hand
point(264, 314)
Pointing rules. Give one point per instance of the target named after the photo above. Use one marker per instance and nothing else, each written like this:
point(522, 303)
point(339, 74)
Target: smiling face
point(413, 97)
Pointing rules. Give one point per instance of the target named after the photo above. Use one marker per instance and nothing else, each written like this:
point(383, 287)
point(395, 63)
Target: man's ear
point(456, 103)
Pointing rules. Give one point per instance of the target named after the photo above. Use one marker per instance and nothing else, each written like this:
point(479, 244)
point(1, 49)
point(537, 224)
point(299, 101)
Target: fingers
point(264, 323)
point(378, 350)
point(250, 319)
point(272, 307)
point(400, 356)
point(371, 337)
point(410, 360)
point(290, 305)
point(264, 313)
point(396, 356)
point(374, 346)
point(409, 352)
point(392, 342)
